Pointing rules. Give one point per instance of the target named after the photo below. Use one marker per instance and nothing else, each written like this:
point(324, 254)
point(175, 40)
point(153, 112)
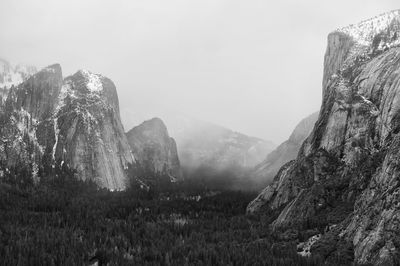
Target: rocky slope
point(346, 172)
point(264, 172)
point(155, 150)
point(52, 122)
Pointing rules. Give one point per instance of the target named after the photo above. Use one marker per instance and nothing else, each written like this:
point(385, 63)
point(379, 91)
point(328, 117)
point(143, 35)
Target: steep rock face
point(264, 172)
point(48, 121)
point(154, 149)
point(89, 135)
point(25, 111)
point(351, 157)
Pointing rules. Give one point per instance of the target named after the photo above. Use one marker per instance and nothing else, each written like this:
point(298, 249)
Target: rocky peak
point(92, 81)
point(38, 94)
point(154, 149)
point(364, 33)
point(152, 129)
point(359, 42)
point(89, 135)
point(91, 87)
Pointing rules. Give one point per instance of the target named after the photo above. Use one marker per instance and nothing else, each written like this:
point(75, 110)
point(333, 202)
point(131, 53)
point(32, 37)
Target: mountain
point(208, 152)
point(12, 76)
point(214, 153)
point(204, 143)
point(264, 172)
point(49, 122)
point(345, 176)
point(154, 149)
point(200, 142)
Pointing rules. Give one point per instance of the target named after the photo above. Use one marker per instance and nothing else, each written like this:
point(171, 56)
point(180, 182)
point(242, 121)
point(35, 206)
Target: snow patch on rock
point(304, 248)
point(365, 31)
point(56, 133)
point(93, 81)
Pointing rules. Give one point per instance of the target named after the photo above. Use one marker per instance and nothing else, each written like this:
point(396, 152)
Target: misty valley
point(78, 187)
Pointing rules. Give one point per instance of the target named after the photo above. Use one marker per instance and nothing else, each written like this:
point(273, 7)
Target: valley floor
point(71, 223)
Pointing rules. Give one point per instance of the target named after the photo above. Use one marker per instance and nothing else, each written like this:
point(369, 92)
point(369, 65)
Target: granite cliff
point(49, 122)
point(155, 150)
point(346, 174)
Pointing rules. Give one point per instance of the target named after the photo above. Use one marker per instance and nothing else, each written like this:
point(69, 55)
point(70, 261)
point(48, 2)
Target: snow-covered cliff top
point(364, 32)
point(93, 81)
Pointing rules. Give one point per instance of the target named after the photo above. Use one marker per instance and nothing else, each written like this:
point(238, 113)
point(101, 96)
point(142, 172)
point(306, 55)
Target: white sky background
point(254, 66)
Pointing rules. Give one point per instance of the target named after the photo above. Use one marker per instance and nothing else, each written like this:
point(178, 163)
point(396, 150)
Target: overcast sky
point(254, 66)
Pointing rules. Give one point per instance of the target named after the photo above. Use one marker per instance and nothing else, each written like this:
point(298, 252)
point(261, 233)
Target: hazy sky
point(254, 66)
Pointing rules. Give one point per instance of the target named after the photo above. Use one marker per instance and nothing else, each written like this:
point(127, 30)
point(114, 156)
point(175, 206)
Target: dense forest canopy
point(62, 221)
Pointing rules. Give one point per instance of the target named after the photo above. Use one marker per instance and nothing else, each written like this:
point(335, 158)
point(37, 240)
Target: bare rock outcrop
point(155, 150)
